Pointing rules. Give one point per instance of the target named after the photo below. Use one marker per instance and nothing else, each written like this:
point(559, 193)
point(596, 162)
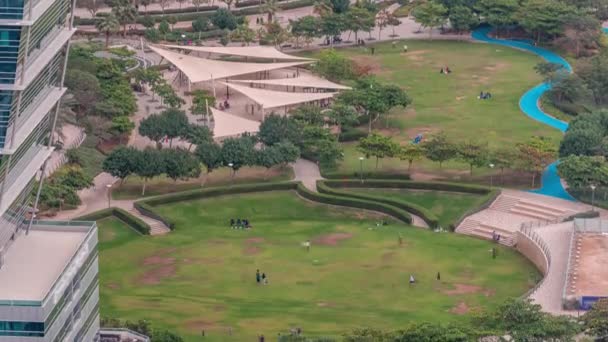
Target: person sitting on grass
point(239, 223)
point(232, 223)
point(412, 280)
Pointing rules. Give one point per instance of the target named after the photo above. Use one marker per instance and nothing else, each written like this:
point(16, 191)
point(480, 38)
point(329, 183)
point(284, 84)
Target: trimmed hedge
point(146, 207)
point(247, 3)
point(428, 216)
point(123, 215)
point(170, 11)
point(366, 175)
point(354, 203)
point(406, 184)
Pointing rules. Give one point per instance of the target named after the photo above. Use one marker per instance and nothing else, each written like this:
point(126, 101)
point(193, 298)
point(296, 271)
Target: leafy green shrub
point(367, 175)
point(351, 134)
point(398, 184)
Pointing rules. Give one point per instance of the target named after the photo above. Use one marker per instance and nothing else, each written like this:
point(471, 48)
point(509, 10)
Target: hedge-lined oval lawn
point(202, 274)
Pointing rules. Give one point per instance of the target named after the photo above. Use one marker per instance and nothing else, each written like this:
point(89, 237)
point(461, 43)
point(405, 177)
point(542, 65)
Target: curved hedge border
point(123, 215)
point(146, 207)
point(429, 217)
point(353, 202)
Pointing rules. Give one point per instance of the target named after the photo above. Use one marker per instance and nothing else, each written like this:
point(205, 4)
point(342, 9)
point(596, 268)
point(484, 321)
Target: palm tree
point(270, 7)
point(126, 13)
point(108, 25)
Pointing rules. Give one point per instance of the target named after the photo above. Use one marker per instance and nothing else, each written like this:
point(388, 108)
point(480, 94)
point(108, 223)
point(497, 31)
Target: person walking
point(257, 276)
point(307, 245)
point(264, 279)
point(438, 276)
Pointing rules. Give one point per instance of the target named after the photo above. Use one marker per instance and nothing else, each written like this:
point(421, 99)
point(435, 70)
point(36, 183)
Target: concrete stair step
point(534, 215)
point(504, 203)
point(467, 225)
point(543, 207)
point(506, 240)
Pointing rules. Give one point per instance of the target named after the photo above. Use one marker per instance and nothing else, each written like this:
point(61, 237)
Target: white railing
point(592, 225)
point(569, 261)
point(531, 235)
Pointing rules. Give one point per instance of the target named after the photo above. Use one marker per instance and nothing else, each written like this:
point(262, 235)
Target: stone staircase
point(473, 227)
point(156, 227)
point(530, 209)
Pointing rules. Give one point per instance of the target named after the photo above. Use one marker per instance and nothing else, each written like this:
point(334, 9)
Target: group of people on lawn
point(239, 223)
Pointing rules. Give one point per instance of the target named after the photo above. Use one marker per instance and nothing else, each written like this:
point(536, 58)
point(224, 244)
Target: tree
point(502, 159)
point(122, 125)
point(148, 21)
point(382, 20)
point(542, 17)
point(306, 27)
point(180, 164)
point(145, 3)
point(108, 25)
point(339, 6)
point(374, 98)
point(267, 157)
point(163, 28)
point(224, 19)
point(196, 135)
point(165, 336)
point(334, 66)
point(153, 127)
point(462, 18)
point(152, 35)
point(525, 321)
point(473, 153)
point(439, 149)
point(377, 145)
point(548, 70)
point(535, 155)
point(410, 152)
point(270, 7)
point(498, 13)
point(430, 14)
point(180, 2)
point(244, 34)
point(238, 152)
point(332, 25)
point(275, 33)
point(580, 30)
point(319, 144)
point(582, 171)
point(287, 152)
point(276, 128)
point(201, 99)
point(172, 20)
point(85, 88)
point(175, 124)
point(322, 8)
point(595, 74)
point(121, 162)
point(150, 163)
point(595, 321)
point(343, 116)
point(580, 142)
point(173, 100)
point(125, 13)
point(200, 24)
point(210, 155)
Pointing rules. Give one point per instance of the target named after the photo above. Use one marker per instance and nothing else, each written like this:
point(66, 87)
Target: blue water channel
point(551, 184)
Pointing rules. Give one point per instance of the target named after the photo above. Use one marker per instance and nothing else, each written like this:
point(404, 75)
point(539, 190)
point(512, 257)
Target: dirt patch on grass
point(496, 67)
point(113, 286)
point(251, 250)
point(415, 56)
point(325, 304)
point(369, 62)
point(155, 275)
point(460, 309)
point(198, 325)
point(463, 289)
point(388, 256)
point(332, 239)
point(158, 260)
point(254, 240)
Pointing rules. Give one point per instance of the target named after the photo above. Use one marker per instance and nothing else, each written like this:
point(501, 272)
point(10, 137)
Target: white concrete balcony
point(32, 11)
point(40, 60)
point(22, 173)
point(25, 124)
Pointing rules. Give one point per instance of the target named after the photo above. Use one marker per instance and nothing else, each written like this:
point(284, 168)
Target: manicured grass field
point(202, 275)
point(448, 206)
point(449, 102)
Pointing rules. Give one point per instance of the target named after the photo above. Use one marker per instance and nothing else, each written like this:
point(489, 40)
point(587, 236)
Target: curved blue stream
point(528, 103)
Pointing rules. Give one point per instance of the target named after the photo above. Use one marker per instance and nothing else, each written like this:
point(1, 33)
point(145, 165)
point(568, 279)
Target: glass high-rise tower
point(48, 269)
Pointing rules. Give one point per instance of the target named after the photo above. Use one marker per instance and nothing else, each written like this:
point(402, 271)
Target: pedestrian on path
point(257, 276)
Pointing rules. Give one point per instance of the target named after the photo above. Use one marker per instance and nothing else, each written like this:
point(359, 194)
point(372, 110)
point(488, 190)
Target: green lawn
point(448, 206)
point(202, 275)
point(449, 102)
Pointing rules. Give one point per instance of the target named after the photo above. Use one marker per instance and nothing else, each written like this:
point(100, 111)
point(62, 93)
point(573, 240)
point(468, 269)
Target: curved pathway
point(529, 104)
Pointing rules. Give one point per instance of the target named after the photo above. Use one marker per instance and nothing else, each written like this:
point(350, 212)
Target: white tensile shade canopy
point(201, 69)
point(262, 52)
point(302, 81)
point(228, 125)
point(273, 99)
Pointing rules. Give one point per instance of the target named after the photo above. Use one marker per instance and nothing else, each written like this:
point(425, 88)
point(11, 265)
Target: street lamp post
point(109, 187)
point(592, 186)
point(491, 175)
point(232, 173)
point(361, 169)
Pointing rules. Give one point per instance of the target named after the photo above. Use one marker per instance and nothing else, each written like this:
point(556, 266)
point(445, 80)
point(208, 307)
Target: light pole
point(361, 169)
point(109, 187)
point(232, 173)
point(592, 186)
point(491, 175)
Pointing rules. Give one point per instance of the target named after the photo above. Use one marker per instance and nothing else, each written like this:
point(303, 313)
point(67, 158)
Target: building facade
point(48, 270)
